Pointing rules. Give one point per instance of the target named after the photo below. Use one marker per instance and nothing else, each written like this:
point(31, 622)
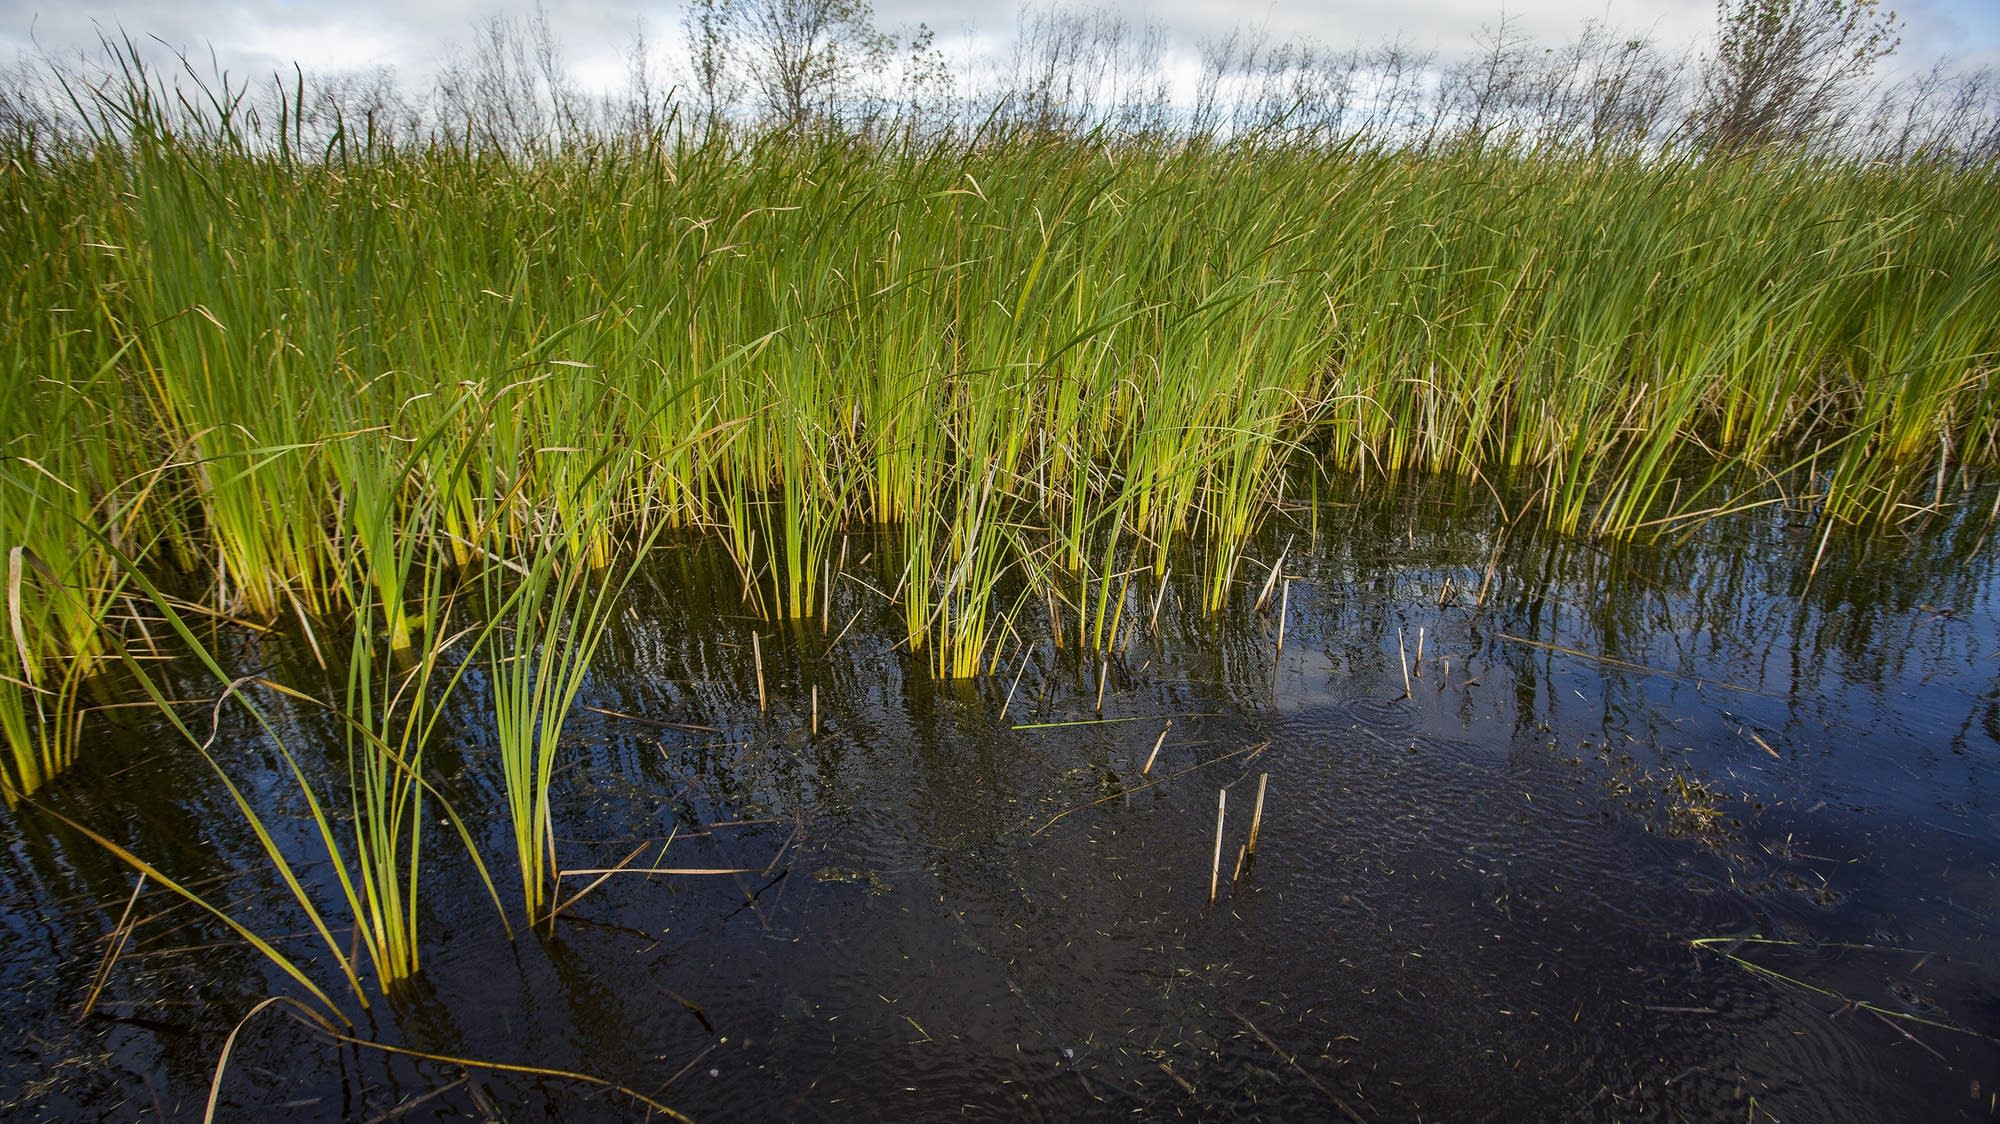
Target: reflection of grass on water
point(326, 391)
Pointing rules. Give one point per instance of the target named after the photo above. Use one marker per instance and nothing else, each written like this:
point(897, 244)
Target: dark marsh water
point(1480, 901)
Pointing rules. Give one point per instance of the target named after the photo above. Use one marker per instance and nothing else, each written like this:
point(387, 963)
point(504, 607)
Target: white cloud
point(254, 37)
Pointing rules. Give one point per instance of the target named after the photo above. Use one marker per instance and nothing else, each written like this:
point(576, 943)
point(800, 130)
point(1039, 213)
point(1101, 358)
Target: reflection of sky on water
point(1475, 901)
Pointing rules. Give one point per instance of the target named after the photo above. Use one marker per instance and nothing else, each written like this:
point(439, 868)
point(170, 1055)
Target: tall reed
point(376, 872)
point(552, 618)
point(1046, 357)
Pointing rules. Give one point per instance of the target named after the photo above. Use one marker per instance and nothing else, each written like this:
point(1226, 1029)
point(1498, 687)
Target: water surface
point(1656, 832)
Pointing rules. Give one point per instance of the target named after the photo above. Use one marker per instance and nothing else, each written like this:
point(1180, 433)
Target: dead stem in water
point(1124, 792)
point(1627, 665)
point(312, 1021)
point(1725, 947)
point(1346, 1109)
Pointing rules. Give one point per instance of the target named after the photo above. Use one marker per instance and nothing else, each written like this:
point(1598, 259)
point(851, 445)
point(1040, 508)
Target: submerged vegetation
point(342, 385)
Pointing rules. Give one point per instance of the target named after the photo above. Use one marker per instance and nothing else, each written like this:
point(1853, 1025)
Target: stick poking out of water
point(757, 656)
point(1153, 756)
point(660, 722)
point(1010, 690)
point(843, 630)
point(1264, 595)
point(1215, 866)
point(1284, 606)
point(1162, 592)
point(1403, 656)
point(1257, 815)
point(815, 708)
point(1246, 751)
point(121, 934)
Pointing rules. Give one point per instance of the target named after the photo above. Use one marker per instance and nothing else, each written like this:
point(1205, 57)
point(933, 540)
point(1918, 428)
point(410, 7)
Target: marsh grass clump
point(431, 396)
point(328, 381)
point(550, 621)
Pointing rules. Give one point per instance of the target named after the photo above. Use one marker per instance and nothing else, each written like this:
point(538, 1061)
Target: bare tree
point(1783, 71)
point(711, 27)
point(1059, 59)
point(1393, 84)
point(643, 112)
point(1784, 68)
point(1944, 114)
point(514, 94)
point(1636, 95)
point(929, 85)
point(1304, 93)
point(1479, 92)
point(802, 54)
point(30, 123)
point(1076, 69)
point(1593, 92)
point(362, 109)
point(1224, 60)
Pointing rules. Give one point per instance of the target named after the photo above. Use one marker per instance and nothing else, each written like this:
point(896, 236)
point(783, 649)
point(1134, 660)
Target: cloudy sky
point(254, 37)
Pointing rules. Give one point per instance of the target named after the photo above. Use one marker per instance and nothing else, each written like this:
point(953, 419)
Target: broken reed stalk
point(1236, 875)
point(1944, 458)
point(1103, 672)
point(815, 710)
point(1346, 1109)
point(1628, 665)
point(121, 934)
point(831, 644)
point(679, 871)
point(757, 657)
point(1009, 700)
point(1403, 657)
point(1492, 570)
point(1257, 815)
point(1122, 794)
point(602, 875)
point(1264, 595)
point(1284, 606)
point(1417, 667)
point(1215, 865)
point(1161, 592)
point(1819, 554)
point(1147, 770)
point(502, 1067)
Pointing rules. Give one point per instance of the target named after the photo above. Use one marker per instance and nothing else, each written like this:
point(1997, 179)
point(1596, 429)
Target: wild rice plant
point(389, 717)
point(1010, 348)
point(551, 619)
point(393, 700)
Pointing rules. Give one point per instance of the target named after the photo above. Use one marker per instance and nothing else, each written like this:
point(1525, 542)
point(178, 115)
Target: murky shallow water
point(1479, 901)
